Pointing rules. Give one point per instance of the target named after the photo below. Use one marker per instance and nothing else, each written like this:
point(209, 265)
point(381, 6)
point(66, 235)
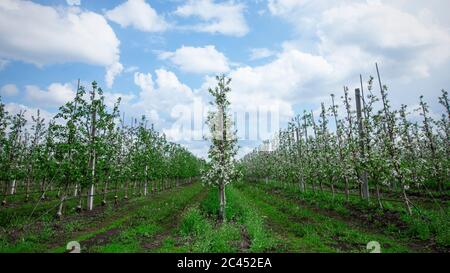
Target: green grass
point(148, 221)
point(300, 229)
point(138, 221)
point(261, 239)
point(260, 218)
point(425, 224)
point(203, 237)
point(203, 234)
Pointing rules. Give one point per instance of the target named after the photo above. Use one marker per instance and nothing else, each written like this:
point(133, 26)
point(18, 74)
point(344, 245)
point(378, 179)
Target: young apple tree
point(223, 139)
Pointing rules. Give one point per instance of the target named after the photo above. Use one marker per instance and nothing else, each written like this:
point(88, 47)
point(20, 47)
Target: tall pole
point(364, 179)
point(90, 201)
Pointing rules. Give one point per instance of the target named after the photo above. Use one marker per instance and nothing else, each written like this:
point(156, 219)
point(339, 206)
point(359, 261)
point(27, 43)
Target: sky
point(161, 56)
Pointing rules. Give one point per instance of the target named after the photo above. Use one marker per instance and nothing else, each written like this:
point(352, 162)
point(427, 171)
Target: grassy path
point(143, 229)
point(260, 219)
point(301, 229)
point(105, 229)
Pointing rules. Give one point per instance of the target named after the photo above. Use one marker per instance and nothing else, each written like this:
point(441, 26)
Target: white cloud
point(9, 90)
point(199, 60)
point(290, 74)
point(160, 95)
point(170, 105)
point(352, 35)
point(29, 112)
point(144, 81)
point(272, 90)
point(58, 35)
point(138, 14)
point(225, 18)
point(111, 72)
point(73, 2)
point(56, 95)
point(401, 41)
point(112, 97)
point(261, 53)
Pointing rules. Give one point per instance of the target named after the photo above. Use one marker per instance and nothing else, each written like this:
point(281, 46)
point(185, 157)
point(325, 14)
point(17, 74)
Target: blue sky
point(160, 56)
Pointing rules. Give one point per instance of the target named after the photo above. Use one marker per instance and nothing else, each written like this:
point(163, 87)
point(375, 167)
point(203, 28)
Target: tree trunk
point(80, 195)
point(365, 186)
point(43, 189)
point(379, 196)
point(332, 190)
point(406, 200)
point(126, 191)
point(27, 190)
point(5, 194)
point(105, 193)
point(222, 215)
point(116, 195)
point(90, 201)
point(61, 204)
point(347, 191)
point(13, 187)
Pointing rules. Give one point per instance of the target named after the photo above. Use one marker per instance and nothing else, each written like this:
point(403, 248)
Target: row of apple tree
point(87, 150)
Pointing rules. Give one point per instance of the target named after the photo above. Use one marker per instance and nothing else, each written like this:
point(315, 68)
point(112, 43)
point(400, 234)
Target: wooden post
point(364, 179)
point(90, 200)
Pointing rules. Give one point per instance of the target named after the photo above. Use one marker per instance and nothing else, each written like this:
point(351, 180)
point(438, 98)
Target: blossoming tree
point(223, 139)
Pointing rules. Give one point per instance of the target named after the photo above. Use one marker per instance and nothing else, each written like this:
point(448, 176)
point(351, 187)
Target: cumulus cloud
point(224, 18)
point(199, 60)
point(163, 93)
point(111, 72)
point(55, 95)
point(263, 96)
point(137, 14)
point(144, 81)
point(9, 90)
point(173, 107)
point(353, 34)
point(112, 97)
point(288, 77)
point(29, 112)
point(58, 35)
point(159, 94)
